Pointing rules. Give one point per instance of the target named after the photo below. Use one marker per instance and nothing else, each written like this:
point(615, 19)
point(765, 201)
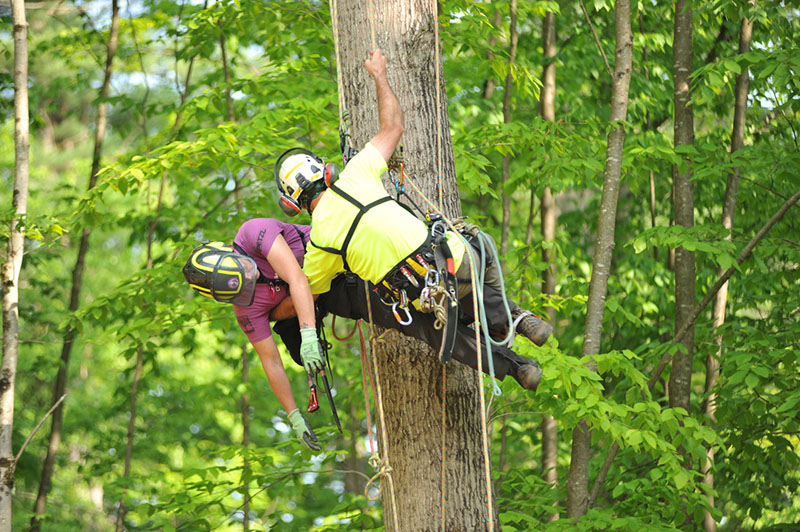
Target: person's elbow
point(297, 280)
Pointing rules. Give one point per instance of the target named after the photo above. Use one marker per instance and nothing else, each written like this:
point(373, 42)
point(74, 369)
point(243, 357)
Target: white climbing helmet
point(296, 171)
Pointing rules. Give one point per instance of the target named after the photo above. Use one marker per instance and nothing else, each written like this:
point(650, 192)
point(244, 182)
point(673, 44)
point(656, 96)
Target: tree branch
point(38, 425)
point(597, 40)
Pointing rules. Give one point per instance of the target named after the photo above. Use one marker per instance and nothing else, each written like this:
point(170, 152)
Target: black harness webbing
point(362, 210)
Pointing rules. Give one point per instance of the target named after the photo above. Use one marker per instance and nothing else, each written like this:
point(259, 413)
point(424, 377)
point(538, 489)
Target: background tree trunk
point(549, 219)
point(488, 84)
point(683, 203)
point(410, 374)
point(13, 262)
point(508, 88)
point(578, 478)
point(60, 385)
point(720, 300)
point(246, 471)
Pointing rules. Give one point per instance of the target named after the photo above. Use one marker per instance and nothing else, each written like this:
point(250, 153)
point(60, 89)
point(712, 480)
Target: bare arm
point(285, 264)
point(276, 374)
point(285, 309)
point(390, 113)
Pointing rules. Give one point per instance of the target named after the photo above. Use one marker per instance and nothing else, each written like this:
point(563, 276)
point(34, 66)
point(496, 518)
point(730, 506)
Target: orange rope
point(345, 338)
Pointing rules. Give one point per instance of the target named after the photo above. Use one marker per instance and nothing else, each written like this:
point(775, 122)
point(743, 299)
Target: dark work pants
point(346, 299)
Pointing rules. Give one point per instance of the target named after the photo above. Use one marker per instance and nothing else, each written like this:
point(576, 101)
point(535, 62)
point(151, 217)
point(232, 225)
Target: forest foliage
point(179, 167)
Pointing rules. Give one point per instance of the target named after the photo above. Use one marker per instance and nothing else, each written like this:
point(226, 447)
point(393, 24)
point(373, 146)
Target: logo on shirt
point(260, 238)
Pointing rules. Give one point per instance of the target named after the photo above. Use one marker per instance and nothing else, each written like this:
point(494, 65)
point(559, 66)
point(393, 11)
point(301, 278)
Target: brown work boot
point(531, 326)
point(529, 375)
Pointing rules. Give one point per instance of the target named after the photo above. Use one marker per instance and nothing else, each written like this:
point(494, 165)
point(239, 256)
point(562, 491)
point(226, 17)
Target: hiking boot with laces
point(529, 375)
point(531, 326)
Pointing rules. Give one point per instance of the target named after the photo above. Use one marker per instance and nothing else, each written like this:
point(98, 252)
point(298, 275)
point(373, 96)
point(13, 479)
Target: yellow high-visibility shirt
point(385, 235)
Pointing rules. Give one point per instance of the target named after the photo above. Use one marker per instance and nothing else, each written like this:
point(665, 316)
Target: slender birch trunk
point(578, 478)
point(13, 262)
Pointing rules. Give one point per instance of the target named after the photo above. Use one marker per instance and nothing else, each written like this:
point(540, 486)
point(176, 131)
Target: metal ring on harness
point(397, 314)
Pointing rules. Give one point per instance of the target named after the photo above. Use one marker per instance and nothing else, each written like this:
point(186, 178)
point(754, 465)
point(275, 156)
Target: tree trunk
point(549, 219)
point(488, 85)
point(683, 203)
point(410, 375)
point(728, 210)
point(13, 262)
point(578, 478)
point(137, 374)
point(507, 90)
point(245, 440)
point(77, 282)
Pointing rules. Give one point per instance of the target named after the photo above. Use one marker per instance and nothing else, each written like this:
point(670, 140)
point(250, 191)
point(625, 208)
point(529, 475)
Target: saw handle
point(313, 403)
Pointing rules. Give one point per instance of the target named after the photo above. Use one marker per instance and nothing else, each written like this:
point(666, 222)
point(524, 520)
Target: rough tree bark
point(411, 377)
point(578, 478)
point(508, 88)
point(547, 109)
point(13, 261)
point(77, 281)
point(683, 204)
point(728, 210)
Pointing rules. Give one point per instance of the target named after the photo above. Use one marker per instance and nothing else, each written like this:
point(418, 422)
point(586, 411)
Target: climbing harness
point(414, 275)
point(362, 210)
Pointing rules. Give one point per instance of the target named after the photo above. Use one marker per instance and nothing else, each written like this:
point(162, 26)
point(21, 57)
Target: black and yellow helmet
point(215, 271)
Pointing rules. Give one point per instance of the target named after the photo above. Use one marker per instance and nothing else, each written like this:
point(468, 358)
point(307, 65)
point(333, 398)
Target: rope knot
point(383, 470)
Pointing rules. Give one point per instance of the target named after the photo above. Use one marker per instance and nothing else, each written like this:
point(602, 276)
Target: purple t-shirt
point(256, 237)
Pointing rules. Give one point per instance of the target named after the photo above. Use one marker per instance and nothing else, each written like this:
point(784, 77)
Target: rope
point(385, 469)
point(348, 336)
point(440, 189)
point(439, 125)
point(444, 447)
point(371, 13)
point(339, 76)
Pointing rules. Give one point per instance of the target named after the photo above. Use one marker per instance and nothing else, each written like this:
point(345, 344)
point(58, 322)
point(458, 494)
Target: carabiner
point(397, 314)
point(432, 278)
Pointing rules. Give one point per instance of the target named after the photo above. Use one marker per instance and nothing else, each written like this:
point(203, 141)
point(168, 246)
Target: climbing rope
point(385, 469)
point(439, 125)
point(440, 189)
point(339, 76)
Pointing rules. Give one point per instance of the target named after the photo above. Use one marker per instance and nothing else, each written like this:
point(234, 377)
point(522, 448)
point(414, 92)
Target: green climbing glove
point(310, 351)
point(303, 430)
